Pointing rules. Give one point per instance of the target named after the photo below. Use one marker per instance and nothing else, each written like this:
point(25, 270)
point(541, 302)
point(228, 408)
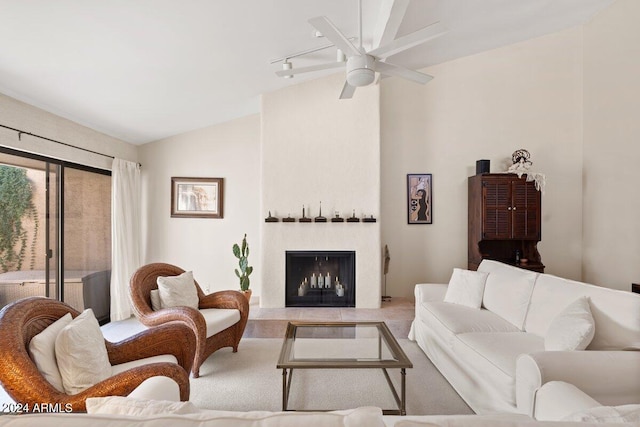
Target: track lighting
point(286, 65)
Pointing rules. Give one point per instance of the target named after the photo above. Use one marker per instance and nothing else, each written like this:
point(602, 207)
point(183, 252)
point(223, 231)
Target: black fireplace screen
point(320, 278)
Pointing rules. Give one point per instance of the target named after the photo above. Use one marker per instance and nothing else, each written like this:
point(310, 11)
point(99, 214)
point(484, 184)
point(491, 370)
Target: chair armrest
point(188, 315)
point(174, 338)
point(126, 382)
point(226, 299)
point(610, 377)
point(558, 399)
point(430, 292)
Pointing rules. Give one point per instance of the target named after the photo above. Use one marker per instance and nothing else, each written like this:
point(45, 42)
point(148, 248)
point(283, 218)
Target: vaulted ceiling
point(147, 69)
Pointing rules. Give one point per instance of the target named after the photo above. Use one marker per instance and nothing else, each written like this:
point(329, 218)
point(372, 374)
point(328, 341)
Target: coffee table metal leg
point(286, 388)
point(403, 391)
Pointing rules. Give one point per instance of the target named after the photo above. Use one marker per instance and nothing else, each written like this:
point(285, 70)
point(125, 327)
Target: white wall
point(317, 148)
point(230, 151)
point(18, 115)
point(527, 95)
point(612, 147)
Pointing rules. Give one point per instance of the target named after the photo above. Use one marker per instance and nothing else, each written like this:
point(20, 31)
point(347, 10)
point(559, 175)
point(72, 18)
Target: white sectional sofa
point(127, 412)
point(495, 356)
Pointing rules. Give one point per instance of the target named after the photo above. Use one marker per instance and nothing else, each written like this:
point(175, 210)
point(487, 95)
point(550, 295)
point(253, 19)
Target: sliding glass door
point(55, 232)
point(87, 240)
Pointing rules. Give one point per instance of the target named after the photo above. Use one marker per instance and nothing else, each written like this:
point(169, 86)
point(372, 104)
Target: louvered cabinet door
point(525, 210)
point(496, 209)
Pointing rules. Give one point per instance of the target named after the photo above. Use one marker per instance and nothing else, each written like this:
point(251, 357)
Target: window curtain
point(125, 234)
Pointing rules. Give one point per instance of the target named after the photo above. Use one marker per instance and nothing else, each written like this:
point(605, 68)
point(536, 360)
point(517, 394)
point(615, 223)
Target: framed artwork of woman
point(419, 198)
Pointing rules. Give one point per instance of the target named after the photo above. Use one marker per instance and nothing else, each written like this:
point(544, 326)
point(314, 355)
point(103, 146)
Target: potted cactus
point(242, 253)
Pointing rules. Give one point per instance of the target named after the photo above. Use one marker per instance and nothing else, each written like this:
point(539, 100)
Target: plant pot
point(247, 295)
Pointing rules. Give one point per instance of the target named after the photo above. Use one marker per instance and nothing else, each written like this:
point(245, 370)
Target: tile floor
point(397, 313)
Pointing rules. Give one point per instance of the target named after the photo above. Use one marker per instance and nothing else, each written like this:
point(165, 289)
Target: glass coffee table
point(343, 345)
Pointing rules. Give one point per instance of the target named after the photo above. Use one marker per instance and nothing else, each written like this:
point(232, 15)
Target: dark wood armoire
point(505, 221)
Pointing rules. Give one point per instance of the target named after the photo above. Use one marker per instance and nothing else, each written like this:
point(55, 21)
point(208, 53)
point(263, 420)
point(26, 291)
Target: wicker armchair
point(145, 280)
point(25, 318)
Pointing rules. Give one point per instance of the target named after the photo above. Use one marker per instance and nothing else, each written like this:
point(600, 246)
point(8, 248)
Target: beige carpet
point(249, 380)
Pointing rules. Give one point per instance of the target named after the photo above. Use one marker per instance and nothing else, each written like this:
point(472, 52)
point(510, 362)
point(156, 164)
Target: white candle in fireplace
point(327, 281)
point(320, 280)
point(313, 280)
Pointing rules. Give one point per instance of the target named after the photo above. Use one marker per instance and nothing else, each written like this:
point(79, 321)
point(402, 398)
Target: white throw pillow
point(156, 304)
point(178, 291)
point(42, 350)
point(572, 329)
point(466, 288)
point(607, 414)
point(82, 354)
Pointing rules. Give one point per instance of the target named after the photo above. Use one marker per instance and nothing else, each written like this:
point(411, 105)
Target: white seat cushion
point(502, 349)
point(219, 319)
point(461, 319)
point(116, 369)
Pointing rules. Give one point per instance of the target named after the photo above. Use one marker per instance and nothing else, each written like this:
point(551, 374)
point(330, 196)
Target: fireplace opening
point(320, 279)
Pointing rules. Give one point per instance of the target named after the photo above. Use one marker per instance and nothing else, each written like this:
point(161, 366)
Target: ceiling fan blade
point(398, 71)
point(326, 66)
point(410, 40)
point(388, 29)
point(331, 32)
point(347, 91)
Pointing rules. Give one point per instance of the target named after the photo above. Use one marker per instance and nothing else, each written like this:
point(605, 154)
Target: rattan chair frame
point(144, 281)
point(21, 320)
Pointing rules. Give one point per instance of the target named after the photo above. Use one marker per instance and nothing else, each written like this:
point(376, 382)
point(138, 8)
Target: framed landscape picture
point(419, 198)
point(196, 197)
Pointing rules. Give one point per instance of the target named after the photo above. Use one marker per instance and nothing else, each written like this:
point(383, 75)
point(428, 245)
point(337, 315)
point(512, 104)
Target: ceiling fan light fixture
point(360, 70)
point(286, 65)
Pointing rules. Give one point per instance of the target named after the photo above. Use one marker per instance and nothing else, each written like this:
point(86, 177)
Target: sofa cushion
point(118, 405)
point(116, 369)
point(42, 349)
point(501, 349)
point(507, 291)
point(460, 319)
point(193, 416)
point(616, 313)
point(219, 319)
point(572, 329)
point(178, 290)
point(607, 414)
point(466, 288)
point(82, 354)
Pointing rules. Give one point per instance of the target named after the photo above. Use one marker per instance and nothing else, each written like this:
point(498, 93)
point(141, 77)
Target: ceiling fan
point(361, 65)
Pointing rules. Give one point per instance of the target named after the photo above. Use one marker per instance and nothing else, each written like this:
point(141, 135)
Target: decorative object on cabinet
point(483, 166)
point(505, 221)
point(196, 197)
point(522, 165)
point(419, 198)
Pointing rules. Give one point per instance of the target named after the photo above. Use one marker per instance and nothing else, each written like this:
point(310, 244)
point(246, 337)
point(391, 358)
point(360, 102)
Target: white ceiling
point(146, 69)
